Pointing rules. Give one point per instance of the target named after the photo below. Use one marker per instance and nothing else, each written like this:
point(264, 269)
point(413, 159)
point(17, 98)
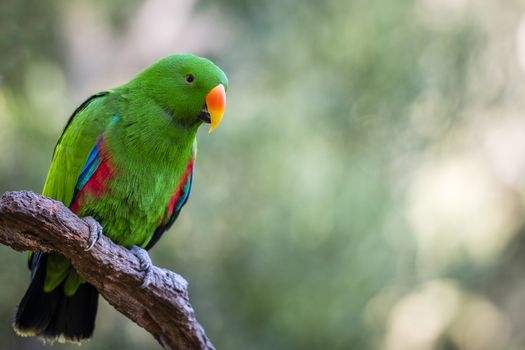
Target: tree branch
point(32, 222)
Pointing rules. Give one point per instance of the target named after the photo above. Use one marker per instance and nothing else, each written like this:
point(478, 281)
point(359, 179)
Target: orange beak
point(216, 103)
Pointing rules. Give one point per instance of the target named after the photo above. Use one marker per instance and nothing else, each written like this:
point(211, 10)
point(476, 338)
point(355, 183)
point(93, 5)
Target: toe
point(145, 264)
point(95, 230)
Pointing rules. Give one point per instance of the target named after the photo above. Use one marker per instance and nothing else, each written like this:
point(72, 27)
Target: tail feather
point(74, 318)
point(55, 316)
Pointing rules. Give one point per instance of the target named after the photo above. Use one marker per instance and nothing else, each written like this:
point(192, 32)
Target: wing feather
point(178, 200)
point(74, 146)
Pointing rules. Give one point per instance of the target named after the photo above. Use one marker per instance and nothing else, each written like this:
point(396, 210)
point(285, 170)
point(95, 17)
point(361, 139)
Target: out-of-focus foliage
point(365, 190)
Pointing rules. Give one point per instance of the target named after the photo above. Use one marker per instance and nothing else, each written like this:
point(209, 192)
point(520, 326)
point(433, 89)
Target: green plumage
point(147, 130)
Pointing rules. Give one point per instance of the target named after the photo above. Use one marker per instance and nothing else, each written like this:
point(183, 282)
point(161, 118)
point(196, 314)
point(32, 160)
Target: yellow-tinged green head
point(191, 89)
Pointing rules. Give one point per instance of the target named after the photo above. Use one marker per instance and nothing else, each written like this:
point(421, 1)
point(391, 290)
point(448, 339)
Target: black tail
point(53, 315)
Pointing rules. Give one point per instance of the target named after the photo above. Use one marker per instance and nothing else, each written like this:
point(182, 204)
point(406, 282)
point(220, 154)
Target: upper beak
point(216, 103)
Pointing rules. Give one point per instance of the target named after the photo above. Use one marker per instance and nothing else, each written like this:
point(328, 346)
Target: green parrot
point(125, 160)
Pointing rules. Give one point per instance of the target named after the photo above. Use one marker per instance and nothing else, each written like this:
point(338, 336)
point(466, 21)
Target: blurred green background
point(365, 189)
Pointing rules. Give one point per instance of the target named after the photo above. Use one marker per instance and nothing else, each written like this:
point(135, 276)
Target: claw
point(145, 264)
point(95, 230)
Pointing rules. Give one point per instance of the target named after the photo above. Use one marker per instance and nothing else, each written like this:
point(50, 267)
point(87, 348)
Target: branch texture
point(32, 222)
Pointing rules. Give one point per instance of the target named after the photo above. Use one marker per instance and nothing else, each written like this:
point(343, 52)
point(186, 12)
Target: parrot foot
point(95, 230)
point(145, 264)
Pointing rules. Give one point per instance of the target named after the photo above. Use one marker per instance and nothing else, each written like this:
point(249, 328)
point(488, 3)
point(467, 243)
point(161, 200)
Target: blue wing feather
point(186, 193)
point(91, 166)
point(92, 163)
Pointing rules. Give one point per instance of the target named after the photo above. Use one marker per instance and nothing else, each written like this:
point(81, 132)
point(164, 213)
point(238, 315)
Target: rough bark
point(32, 222)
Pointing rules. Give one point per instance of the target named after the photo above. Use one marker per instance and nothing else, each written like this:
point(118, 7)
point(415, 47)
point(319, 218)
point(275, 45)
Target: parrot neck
point(144, 131)
point(168, 145)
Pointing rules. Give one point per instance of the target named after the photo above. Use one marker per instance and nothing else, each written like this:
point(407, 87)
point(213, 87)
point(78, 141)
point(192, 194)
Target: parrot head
point(191, 89)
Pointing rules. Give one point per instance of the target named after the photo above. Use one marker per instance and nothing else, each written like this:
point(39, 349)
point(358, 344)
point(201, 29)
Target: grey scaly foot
point(95, 230)
point(145, 264)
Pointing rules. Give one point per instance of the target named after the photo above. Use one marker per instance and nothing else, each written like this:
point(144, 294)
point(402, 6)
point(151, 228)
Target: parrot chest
point(132, 200)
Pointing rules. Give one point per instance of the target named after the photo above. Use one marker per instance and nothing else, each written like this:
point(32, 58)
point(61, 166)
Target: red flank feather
point(180, 188)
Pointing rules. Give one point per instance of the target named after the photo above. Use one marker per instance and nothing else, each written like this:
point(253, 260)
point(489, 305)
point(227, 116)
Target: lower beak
point(216, 103)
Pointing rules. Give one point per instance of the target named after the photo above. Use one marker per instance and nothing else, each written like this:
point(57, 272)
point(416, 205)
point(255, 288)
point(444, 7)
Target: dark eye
point(189, 78)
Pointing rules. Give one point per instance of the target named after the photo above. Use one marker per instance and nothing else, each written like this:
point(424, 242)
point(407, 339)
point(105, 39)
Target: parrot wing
point(74, 147)
point(179, 198)
point(73, 152)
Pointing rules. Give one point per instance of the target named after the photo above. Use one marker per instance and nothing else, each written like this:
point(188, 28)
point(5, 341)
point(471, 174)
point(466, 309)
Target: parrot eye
point(189, 78)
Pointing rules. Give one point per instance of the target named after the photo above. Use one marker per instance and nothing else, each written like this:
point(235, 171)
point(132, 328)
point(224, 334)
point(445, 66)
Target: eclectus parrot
point(125, 159)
